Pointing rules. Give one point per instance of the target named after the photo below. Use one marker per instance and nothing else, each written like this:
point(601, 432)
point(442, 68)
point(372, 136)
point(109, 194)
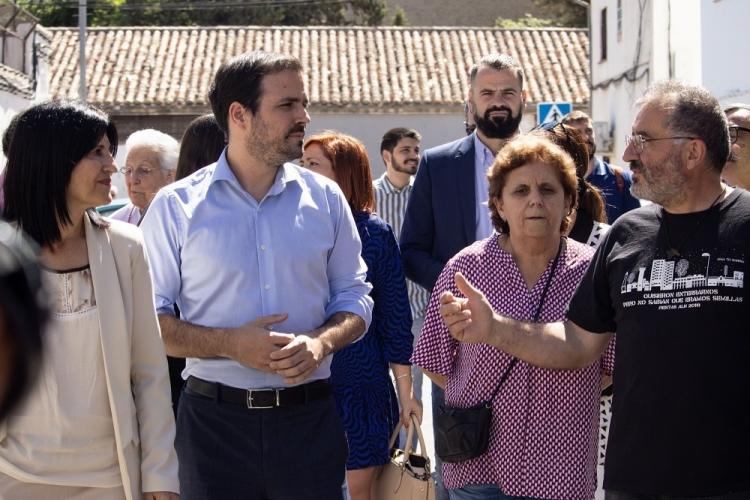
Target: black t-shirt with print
point(681, 419)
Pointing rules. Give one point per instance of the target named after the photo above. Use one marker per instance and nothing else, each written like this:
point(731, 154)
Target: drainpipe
point(587, 6)
point(82, 50)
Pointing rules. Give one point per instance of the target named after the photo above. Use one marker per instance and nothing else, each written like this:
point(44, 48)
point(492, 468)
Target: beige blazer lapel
point(115, 339)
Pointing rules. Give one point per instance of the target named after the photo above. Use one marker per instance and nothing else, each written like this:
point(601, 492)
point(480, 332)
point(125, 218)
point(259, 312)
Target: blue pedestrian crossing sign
point(552, 111)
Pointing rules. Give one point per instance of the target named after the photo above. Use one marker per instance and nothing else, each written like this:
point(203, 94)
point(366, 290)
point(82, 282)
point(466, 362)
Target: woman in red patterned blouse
point(543, 438)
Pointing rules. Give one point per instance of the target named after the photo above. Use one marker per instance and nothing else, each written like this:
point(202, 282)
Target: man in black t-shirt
point(669, 280)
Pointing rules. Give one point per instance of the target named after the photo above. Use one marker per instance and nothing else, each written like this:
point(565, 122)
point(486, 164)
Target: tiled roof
point(163, 70)
point(15, 82)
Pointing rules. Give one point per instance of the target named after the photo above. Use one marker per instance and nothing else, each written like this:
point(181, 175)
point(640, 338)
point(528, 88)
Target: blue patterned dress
point(362, 387)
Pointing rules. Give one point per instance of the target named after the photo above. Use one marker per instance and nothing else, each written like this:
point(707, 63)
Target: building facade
point(635, 43)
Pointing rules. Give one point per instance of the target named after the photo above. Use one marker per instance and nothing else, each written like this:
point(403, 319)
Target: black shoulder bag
point(464, 433)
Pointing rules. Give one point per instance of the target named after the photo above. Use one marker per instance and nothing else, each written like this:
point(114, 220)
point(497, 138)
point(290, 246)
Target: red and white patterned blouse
point(543, 441)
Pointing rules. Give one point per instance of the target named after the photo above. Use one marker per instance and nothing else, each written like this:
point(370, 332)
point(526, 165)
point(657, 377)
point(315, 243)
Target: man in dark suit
point(447, 208)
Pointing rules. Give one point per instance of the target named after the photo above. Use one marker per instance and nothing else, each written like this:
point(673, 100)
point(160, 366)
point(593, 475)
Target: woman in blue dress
point(367, 403)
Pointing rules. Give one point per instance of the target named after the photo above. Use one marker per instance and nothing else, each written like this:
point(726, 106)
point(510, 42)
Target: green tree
point(564, 12)
point(527, 21)
point(208, 12)
point(399, 17)
point(555, 13)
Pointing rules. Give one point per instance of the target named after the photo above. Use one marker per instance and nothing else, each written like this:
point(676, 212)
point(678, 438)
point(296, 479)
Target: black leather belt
point(264, 399)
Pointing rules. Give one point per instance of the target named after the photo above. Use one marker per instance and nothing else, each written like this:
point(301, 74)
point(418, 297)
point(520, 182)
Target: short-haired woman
point(149, 166)
point(543, 433)
point(98, 423)
point(364, 393)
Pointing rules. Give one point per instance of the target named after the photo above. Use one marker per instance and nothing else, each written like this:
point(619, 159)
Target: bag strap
point(409, 438)
point(537, 313)
point(619, 179)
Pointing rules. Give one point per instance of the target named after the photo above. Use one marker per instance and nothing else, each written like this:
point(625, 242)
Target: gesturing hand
point(469, 319)
point(298, 359)
point(253, 343)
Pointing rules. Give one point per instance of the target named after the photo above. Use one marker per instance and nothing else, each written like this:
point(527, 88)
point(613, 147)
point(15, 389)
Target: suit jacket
point(134, 359)
point(440, 216)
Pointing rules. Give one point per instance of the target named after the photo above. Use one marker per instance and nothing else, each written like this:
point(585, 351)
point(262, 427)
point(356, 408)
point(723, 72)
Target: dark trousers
point(618, 495)
point(229, 452)
point(175, 365)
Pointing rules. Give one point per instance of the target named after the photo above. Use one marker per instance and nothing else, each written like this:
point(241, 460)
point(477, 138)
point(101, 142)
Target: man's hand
point(160, 495)
point(253, 343)
point(469, 319)
point(298, 359)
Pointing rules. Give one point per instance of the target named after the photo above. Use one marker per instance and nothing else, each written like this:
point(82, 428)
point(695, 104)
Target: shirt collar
point(287, 173)
point(598, 167)
point(222, 172)
point(388, 186)
point(482, 154)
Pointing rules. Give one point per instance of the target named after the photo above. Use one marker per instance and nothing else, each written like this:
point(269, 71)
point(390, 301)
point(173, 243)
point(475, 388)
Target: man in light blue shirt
point(262, 258)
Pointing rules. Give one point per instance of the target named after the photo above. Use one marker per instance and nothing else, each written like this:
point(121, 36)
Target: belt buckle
point(251, 406)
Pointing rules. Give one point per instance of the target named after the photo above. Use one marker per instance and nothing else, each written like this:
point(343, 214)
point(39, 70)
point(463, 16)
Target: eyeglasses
point(138, 171)
point(638, 141)
point(734, 132)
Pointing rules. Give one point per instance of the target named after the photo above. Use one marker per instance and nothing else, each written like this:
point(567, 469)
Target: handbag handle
point(409, 437)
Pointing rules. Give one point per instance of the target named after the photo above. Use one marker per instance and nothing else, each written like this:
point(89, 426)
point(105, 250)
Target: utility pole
point(82, 50)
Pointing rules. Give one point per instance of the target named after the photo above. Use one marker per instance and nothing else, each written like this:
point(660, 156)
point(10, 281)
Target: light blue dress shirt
point(483, 160)
point(226, 259)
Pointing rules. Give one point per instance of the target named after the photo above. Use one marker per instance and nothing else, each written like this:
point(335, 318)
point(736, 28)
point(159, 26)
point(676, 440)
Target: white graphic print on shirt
point(686, 282)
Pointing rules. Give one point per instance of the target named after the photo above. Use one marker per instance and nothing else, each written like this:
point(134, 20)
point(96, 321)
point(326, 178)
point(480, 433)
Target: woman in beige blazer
point(98, 423)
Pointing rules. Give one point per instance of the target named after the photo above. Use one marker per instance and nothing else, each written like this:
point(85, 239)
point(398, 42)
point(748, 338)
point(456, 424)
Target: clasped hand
point(293, 357)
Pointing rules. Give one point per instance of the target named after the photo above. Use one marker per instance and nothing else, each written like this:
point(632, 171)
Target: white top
point(129, 213)
point(483, 160)
point(63, 433)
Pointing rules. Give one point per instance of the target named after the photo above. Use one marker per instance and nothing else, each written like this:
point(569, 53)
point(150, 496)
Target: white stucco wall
point(725, 64)
point(435, 129)
point(696, 41)
point(10, 104)
point(369, 128)
point(614, 94)
point(670, 47)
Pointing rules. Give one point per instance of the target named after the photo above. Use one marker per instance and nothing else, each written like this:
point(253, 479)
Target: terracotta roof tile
point(15, 82)
point(169, 69)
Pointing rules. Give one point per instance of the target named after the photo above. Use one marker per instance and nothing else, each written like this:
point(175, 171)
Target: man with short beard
point(447, 208)
point(613, 182)
point(669, 280)
point(263, 260)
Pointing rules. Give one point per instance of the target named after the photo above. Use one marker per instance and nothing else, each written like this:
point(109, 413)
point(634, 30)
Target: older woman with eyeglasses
point(543, 431)
point(150, 165)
